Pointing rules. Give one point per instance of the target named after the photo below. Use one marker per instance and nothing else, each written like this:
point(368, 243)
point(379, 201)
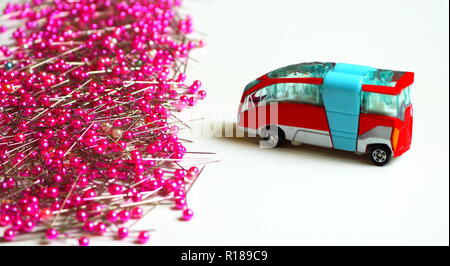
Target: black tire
point(380, 154)
point(272, 137)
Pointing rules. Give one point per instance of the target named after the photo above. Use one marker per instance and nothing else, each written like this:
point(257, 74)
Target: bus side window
point(307, 93)
point(271, 93)
point(281, 91)
point(291, 93)
point(380, 104)
point(296, 92)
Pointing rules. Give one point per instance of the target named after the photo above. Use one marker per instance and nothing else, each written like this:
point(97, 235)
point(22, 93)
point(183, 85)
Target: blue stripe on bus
point(342, 99)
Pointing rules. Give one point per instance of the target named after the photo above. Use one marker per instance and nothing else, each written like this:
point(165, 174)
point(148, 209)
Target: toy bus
point(334, 105)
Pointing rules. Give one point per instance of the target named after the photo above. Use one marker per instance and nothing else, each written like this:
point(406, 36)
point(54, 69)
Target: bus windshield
point(385, 104)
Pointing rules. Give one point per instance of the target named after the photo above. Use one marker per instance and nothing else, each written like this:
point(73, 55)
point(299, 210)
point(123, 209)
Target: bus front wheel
point(380, 154)
point(272, 136)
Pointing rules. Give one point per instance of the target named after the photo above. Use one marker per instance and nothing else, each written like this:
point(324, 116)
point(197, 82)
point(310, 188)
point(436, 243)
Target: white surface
point(305, 195)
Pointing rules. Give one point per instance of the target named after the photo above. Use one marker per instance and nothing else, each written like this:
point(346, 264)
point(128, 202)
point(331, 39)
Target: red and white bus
point(341, 106)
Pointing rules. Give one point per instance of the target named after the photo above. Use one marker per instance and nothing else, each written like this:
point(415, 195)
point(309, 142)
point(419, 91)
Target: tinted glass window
point(293, 92)
point(404, 98)
point(380, 104)
point(388, 105)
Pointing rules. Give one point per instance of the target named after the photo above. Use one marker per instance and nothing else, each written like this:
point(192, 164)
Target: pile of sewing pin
point(89, 96)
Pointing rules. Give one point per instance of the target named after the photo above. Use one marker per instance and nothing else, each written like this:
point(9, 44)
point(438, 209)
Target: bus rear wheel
point(380, 155)
point(272, 136)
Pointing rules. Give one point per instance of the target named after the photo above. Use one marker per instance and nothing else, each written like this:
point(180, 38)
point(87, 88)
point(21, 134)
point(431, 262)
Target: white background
point(306, 195)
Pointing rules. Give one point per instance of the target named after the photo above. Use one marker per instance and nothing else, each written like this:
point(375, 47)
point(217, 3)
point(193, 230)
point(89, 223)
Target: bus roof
point(375, 80)
point(303, 70)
